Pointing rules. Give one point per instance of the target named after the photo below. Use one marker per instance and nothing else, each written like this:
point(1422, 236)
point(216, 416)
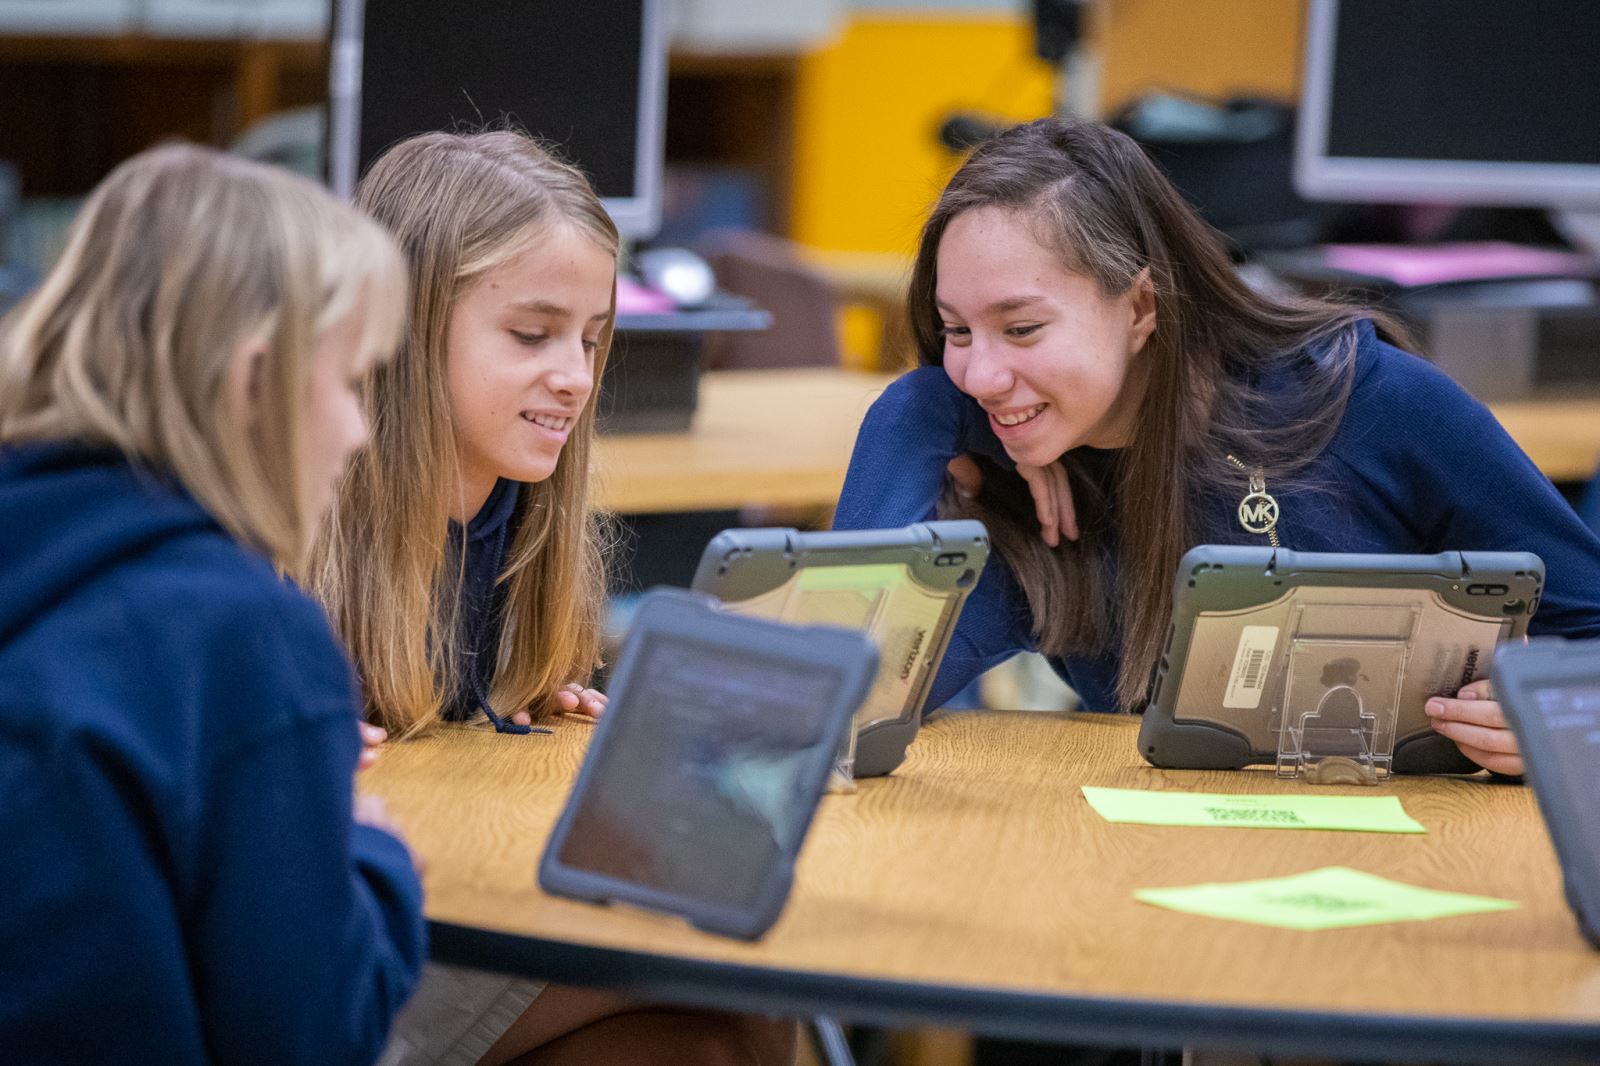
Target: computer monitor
point(1452, 101)
point(588, 75)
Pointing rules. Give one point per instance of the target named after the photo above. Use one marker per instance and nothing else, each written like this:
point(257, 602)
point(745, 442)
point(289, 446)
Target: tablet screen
point(1570, 717)
point(708, 772)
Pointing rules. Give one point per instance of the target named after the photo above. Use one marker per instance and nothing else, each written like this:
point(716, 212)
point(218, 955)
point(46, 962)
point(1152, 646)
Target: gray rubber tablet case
point(905, 587)
point(676, 615)
point(1523, 676)
point(1321, 663)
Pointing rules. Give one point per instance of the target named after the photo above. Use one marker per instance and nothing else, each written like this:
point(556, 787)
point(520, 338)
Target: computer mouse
point(679, 273)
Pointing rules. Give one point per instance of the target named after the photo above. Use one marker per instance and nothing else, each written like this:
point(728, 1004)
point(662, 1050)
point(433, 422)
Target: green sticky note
point(1367, 814)
point(1333, 897)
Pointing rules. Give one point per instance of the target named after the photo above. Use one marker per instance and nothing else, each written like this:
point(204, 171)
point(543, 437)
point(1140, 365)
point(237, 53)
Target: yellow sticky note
point(1333, 897)
point(1367, 814)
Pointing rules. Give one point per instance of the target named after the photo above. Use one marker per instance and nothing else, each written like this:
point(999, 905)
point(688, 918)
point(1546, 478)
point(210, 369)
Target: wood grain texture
point(980, 864)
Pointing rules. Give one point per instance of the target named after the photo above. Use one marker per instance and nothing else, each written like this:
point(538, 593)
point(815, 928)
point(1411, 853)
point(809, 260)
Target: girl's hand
point(1475, 722)
point(1052, 495)
point(966, 476)
point(573, 698)
point(1052, 501)
point(372, 737)
point(369, 810)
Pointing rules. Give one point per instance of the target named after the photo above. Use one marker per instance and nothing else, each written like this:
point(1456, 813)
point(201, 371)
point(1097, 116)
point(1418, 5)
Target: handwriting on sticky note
point(1367, 814)
point(1254, 816)
point(1333, 897)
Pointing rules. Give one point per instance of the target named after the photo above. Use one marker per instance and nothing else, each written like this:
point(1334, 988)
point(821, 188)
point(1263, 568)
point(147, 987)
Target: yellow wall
point(867, 162)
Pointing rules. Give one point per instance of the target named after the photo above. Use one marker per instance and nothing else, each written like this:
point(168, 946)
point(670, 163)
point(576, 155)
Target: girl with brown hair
point(1101, 387)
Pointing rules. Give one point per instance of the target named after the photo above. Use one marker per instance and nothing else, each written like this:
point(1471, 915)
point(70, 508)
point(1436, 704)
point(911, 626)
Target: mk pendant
point(1258, 512)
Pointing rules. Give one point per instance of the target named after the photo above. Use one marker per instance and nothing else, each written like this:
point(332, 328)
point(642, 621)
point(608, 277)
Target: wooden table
point(975, 888)
point(1561, 436)
point(782, 438)
point(774, 438)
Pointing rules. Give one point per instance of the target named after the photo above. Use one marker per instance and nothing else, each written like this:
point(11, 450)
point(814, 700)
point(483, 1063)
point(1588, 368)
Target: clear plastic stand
point(842, 778)
point(1341, 701)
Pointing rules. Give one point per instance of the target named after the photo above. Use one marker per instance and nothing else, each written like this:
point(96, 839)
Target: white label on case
point(1248, 679)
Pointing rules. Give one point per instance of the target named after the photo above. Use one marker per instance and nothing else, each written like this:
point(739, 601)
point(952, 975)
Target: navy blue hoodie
point(488, 538)
point(1416, 466)
point(183, 881)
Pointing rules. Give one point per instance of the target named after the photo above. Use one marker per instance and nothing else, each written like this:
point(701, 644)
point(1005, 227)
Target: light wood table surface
point(774, 438)
point(782, 438)
point(1561, 435)
point(976, 888)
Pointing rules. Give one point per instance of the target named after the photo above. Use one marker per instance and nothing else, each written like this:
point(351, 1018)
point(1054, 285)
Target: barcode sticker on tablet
point(1248, 679)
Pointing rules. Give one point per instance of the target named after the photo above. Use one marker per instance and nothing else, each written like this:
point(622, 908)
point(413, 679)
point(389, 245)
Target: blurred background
point(815, 121)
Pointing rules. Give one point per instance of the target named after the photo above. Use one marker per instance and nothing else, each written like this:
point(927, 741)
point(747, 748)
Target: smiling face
point(520, 355)
point(1047, 354)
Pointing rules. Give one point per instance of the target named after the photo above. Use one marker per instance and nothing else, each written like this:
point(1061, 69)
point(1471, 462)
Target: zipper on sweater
point(1258, 510)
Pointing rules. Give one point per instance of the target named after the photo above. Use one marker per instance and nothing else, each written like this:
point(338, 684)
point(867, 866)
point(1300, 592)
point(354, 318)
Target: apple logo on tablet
point(1342, 672)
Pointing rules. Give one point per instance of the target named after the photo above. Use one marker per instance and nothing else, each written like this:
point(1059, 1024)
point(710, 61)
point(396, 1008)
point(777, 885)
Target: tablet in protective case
point(905, 587)
point(705, 770)
point(1263, 638)
point(1550, 692)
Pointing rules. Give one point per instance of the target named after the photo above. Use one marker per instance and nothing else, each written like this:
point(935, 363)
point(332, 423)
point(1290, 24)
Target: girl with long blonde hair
point(178, 724)
point(464, 560)
point(463, 564)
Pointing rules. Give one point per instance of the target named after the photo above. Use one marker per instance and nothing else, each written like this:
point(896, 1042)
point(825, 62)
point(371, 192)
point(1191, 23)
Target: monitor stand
point(1580, 226)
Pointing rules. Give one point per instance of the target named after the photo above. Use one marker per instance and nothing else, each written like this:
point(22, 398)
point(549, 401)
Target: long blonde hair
point(179, 261)
point(461, 204)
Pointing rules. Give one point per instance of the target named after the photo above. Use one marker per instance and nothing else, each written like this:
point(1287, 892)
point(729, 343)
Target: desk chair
point(804, 306)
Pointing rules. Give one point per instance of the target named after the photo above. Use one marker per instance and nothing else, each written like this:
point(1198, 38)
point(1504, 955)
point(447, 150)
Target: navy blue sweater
point(183, 882)
point(1416, 465)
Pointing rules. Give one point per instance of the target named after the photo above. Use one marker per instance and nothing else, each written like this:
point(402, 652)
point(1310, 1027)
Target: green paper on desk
point(1368, 814)
point(1333, 897)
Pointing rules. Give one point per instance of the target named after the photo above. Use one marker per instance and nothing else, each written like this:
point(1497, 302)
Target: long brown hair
point(461, 204)
point(1098, 202)
point(181, 259)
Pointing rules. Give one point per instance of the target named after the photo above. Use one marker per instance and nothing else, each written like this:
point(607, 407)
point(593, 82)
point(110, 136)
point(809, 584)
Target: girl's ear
point(1142, 293)
point(244, 381)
